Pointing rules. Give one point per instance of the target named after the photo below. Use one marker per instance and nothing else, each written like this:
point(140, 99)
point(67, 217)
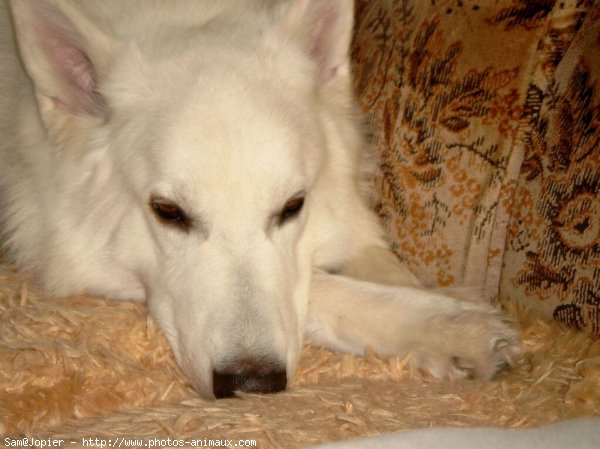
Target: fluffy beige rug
point(89, 367)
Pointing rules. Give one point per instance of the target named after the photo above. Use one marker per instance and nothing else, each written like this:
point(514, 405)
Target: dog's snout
point(249, 376)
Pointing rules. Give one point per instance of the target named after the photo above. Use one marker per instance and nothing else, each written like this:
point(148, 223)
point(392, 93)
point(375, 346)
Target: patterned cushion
point(476, 150)
point(552, 256)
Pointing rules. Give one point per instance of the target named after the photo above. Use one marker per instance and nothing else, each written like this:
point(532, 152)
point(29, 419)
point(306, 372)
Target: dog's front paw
point(472, 341)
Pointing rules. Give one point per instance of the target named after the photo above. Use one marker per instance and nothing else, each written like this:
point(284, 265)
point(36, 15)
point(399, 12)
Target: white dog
point(204, 157)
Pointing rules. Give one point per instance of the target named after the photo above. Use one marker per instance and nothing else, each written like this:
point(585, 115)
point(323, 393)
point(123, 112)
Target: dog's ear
point(325, 27)
point(65, 55)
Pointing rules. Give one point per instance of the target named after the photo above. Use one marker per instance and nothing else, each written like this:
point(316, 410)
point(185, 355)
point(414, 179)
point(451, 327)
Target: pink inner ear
point(322, 35)
point(324, 40)
point(76, 72)
point(76, 67)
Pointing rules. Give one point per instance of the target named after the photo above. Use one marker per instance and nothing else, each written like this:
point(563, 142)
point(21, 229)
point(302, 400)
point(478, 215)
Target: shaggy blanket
point(89, 367)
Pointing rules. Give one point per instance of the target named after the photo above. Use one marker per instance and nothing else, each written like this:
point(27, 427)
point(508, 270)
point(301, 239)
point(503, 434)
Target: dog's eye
point(169, 212)
point(291, 209)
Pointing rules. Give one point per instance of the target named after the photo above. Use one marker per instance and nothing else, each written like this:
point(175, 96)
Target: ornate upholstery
point(484, 120)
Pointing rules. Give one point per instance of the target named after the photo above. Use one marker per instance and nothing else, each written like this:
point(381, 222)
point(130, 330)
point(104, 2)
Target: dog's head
point(206, 127)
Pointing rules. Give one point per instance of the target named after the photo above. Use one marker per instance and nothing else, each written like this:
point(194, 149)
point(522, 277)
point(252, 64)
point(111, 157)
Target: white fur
point(228, 108)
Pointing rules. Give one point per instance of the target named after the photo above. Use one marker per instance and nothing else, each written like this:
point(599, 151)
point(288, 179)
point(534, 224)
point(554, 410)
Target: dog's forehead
point(237, 144)
point(216, 118)
point(228, 119)
point(230, 127)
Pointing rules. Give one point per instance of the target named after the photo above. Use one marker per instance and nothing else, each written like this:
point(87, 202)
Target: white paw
point(471, 341)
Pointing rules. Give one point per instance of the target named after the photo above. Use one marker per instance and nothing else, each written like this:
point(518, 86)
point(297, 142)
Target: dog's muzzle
point(249, 376)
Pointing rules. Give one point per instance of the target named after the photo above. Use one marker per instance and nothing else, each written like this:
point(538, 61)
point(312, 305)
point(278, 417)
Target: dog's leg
point(378, 264)
point(447, 336)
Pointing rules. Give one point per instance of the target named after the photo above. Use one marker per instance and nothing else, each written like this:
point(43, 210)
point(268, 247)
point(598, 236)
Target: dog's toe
point(474, 342)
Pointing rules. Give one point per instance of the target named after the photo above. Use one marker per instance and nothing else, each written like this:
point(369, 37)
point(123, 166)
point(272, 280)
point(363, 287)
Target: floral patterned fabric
point(552, 255)
point(483, 121)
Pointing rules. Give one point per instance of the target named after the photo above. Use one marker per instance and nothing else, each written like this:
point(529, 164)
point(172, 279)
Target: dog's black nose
point(250, 377)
